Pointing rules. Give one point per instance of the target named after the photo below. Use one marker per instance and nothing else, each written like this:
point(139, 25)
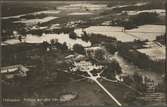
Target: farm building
point(13, 71)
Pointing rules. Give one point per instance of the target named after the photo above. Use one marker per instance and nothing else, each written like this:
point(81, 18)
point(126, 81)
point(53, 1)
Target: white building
point(10, 72)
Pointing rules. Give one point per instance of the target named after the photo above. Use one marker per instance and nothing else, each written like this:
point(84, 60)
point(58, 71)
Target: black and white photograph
point(107, 53)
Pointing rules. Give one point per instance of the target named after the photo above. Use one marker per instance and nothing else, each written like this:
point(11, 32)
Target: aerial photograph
point(83, 53)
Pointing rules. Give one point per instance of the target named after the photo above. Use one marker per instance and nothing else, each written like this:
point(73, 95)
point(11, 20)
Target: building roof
point(94, 48)
point(13, 68)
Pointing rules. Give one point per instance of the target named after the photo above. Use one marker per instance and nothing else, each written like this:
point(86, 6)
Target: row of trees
point(137, 20)
point(141, 60)
point(144, 18)
point(97, 38)
point(34, 16)
point(161, 39)
point(57, 31)
point(54, 44)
